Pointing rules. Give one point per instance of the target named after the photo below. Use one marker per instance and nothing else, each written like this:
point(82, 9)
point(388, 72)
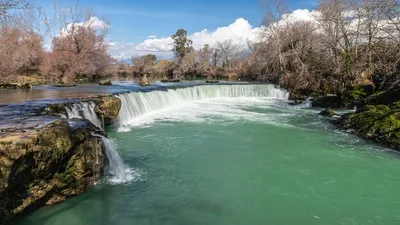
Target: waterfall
point(83, 110)
point(137, 104)
point(115, 167)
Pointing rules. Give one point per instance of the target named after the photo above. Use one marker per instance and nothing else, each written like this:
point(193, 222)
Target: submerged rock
point(105, 82)
point(44, 166)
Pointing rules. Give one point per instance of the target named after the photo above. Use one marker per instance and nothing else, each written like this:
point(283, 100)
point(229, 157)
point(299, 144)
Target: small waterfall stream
point(116, 167)
point(84, 110)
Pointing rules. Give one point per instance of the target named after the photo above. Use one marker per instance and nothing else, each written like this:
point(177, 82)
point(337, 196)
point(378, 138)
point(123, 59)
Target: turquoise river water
point(245, 160)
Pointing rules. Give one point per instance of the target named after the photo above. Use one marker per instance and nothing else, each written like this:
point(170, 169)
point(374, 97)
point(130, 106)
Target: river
point(234, 159)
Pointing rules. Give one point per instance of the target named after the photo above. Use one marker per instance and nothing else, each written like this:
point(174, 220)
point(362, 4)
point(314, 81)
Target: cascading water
point(116, 167)
point(137, 104)
point(83, 110)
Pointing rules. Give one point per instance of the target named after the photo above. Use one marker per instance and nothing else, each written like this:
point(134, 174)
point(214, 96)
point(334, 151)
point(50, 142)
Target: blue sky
point(133, 21)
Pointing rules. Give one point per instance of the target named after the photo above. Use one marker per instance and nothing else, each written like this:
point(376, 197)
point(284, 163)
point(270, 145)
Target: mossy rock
point(46, 166)
point(108, 108)
point(56, 109)
point(377, 122)
point(105, 82)
point(382, 98)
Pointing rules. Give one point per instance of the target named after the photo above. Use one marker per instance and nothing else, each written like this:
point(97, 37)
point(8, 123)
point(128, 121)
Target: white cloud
point(94, 23)
point(238, 32)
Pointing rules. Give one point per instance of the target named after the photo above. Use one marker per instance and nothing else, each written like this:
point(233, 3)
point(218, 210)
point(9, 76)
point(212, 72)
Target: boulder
point(105, 82)
point(26, 86)
point(144, 81)
point(44, 166)
point(108, 109)
point(328, 101)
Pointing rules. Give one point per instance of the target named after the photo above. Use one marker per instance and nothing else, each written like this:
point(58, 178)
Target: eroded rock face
point(44, 166)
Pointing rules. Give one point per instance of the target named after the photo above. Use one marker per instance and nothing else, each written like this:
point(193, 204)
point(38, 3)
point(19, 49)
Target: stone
point(144, 81)
point(45, 166)
point(328, 113)
point(26, 86)
point(108, 109)
point(328, 101)
point(380, 123)
point(105, 82)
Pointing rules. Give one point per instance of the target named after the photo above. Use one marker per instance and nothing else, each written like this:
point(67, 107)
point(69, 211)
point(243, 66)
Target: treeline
point(345, 43)
point(75, 39)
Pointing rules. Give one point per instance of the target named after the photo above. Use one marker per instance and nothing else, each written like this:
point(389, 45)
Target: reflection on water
point(15, 96)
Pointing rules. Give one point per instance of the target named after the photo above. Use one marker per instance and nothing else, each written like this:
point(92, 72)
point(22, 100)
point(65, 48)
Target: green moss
point(375, 121)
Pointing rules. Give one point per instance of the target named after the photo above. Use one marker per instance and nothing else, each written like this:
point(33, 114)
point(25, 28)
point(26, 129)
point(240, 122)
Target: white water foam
point(116, 169)
point(84, 110)
point(194, 103)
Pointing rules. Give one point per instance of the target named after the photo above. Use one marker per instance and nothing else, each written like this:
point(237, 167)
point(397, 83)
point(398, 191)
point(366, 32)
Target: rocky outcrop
point(105, 82)
point(381, 98)
point(44, 166)
point(108, 109)
point(347, 99)
point(380, 123)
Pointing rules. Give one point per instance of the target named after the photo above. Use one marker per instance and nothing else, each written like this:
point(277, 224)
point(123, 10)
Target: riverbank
point(376, 118)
